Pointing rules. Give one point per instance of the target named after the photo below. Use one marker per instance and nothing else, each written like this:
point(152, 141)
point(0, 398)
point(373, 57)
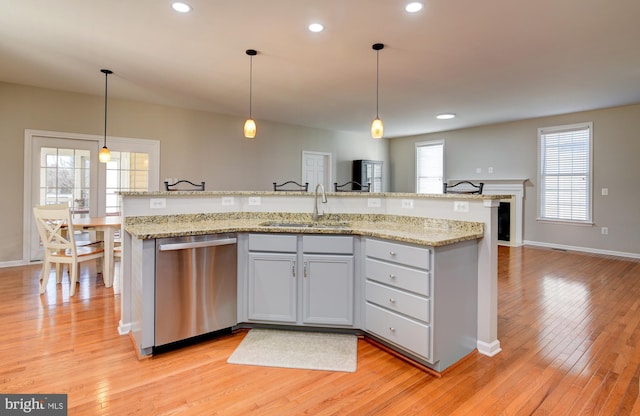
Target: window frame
point(588, 175)
point(418, 145)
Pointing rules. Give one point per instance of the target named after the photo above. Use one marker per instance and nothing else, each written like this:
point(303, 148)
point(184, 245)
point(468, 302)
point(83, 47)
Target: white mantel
point(506, 186)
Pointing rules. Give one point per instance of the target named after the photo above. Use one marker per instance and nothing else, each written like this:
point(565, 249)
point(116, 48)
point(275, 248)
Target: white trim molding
point(582, 249)
point(123, 328)
point(16, 263)
point(488, 349)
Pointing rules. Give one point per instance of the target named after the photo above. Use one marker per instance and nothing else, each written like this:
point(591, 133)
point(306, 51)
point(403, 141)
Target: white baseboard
point(509, 243)
point(123, 329)
point(488, 349)
point(16, 263)
point(582, 249)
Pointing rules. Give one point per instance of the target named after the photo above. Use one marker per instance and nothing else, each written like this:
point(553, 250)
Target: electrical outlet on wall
point(461, 206)
point(407, 203)
point(604, 230)
point(157, 203)
point(373, 202)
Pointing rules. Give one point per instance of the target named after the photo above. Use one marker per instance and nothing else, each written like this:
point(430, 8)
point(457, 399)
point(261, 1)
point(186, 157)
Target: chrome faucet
point(315, 205)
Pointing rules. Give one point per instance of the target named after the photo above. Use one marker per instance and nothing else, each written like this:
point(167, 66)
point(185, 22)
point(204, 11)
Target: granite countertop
point(416, 230)
point(310, 194)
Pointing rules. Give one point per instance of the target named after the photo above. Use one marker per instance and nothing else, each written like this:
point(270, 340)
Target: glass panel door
point(127, 171)
point(64, 171)
point(64, 168)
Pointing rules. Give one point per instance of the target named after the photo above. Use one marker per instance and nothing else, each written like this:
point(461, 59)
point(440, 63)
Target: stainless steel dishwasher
point(196, 286)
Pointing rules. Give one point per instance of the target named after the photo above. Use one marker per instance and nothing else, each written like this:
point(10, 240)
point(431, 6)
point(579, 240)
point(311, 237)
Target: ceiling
point(487, 61)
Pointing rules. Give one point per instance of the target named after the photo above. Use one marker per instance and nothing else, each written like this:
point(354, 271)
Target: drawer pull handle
point(392, 253)
point(392, 276)
point(392, 300)
point(392, 329)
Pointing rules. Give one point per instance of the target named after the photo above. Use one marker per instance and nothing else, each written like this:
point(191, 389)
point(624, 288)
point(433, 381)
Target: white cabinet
point(300, 280)
point(272, 287)
point(422, 300)
point(327, 290)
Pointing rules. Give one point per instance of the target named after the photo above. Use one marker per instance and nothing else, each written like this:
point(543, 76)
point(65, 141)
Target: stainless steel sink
point(285, 224)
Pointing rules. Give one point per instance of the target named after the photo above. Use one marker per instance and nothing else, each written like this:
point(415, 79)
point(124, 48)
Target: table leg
point(107, 272)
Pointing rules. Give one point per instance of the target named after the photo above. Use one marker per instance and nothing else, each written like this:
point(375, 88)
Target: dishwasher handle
point(197, 244)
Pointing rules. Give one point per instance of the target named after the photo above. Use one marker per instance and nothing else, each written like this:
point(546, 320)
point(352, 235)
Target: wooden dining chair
point(55, 227)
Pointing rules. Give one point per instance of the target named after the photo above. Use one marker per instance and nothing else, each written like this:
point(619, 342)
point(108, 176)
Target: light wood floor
point(569, 327)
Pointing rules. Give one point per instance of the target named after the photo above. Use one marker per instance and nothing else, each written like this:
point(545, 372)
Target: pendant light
point(105, 154)
point(377, 129)
point(250, 124)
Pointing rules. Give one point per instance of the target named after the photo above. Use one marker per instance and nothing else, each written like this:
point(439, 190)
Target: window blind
point(565, 173)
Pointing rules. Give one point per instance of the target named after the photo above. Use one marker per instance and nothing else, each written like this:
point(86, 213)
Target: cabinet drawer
point(417, 281)
point(404, 332)
point(398, 253)
point(273, 242)
point(414, 306)
point(330, 244)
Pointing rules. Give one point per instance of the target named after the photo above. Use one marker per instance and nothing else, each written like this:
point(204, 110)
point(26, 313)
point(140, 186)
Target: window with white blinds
point(565, 173)
point(429, 167)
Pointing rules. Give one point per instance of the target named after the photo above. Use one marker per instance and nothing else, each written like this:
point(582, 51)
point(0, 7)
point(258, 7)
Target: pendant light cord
point(106, 73)
point(250, 83)
point(377, 47)
point(106, 78)
point(377, 79)
point(251, 53)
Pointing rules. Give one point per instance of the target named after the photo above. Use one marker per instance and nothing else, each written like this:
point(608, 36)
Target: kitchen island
point(436, 236)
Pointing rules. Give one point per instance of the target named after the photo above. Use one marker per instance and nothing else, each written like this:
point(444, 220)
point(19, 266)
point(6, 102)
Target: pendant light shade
point(250, 128)
point(250, 124)
point(377, 128)
point(105, 155)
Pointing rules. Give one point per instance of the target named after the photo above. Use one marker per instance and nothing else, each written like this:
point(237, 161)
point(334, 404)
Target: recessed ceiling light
point(413, 7)
point(445, 116)
point(181, 7)
point(316, 27)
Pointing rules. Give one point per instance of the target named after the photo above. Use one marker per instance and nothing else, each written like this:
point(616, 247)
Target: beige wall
point(511, 149)
point(210, 147)
point(195, 145)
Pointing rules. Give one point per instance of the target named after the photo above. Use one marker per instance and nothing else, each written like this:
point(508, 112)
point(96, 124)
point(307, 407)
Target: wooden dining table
point(107, 226)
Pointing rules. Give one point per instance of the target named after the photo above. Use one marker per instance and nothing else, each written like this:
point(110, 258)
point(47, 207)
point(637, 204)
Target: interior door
point(62, 171)
point(316, 168)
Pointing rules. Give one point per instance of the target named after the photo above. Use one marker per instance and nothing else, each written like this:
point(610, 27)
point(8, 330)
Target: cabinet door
point(368, 171)
point(327, 289)
point(376, 177)
point(272, 287)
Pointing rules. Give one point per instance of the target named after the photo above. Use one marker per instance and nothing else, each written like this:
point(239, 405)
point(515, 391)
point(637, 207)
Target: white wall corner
point(123, 329)
point(489, 348)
